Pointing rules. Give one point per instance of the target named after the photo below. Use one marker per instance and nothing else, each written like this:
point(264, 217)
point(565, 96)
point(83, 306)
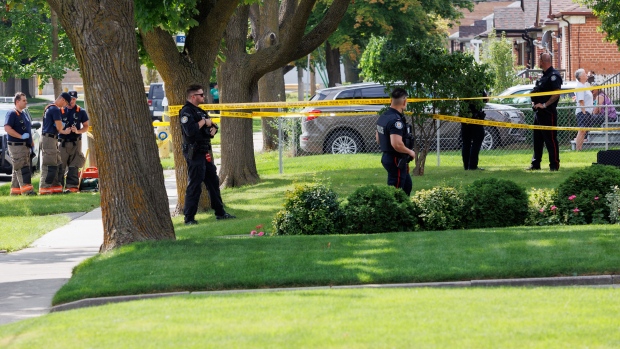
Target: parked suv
point(155, 97)
point(350, 135)
point(6, 166)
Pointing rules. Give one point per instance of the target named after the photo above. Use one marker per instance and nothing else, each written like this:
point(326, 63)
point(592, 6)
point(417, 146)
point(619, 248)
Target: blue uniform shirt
point(52, 113)
point(20, 122)
point(76, 116)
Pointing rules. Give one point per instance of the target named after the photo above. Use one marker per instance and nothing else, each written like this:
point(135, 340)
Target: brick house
point(571, 32)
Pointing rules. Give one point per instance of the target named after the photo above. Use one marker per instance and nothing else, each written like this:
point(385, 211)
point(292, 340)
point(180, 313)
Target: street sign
point(180, 39)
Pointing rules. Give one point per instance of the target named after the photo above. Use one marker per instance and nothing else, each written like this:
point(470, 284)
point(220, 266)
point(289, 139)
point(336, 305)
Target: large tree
point(203, 22)
point(427, 70)
point(394, 19)
point(31, 43)
point(134, 203)
point(242, 70)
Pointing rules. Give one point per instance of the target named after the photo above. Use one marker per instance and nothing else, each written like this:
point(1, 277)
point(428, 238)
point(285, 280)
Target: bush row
point(590, 195)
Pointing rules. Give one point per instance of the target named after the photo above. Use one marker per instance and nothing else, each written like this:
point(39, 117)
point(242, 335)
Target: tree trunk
point(238, 163)
point(300, 84)
point(420, 161)
point(312, 79)
point(134, 203)
point(271, 85)
point(332, 64)
point(57, 83)
point(351, 73)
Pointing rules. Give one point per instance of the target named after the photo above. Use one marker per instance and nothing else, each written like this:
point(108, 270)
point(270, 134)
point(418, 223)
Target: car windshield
point(3, 111)
point(319, 96)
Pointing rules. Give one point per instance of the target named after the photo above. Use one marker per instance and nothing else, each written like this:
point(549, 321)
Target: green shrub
point(440, 208)
point(379, 209)
point(583, 193)
point(541, 208)
point(492, 202)
point(613, 202)
point(310, 209)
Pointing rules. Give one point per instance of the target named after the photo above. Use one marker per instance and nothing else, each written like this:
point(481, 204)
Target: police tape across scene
point(174, 109)
point(434, 116)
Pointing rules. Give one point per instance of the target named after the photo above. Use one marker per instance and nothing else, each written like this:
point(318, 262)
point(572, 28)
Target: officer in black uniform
point(472, 136)
point(546, 114)
point(396, 141)
point(18, 127)
point(198, 130)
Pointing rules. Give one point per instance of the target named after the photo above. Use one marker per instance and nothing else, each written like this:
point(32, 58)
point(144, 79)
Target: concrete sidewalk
point(29, 278)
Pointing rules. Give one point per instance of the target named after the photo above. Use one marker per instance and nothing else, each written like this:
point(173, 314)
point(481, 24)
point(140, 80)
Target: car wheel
point(491, 139)
point(343, 142)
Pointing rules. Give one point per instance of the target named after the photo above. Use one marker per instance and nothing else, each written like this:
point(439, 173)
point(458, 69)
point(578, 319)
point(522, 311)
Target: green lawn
point(368, 318)
point(23, 219)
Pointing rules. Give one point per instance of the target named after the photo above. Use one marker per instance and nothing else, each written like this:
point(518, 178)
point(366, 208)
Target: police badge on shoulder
point(184, 119)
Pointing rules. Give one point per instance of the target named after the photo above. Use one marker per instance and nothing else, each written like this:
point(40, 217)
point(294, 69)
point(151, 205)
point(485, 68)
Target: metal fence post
point(280, 141)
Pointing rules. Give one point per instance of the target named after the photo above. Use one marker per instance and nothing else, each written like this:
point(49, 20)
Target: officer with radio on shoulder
point(198, 129)
point(395, 137)
point(546, 114)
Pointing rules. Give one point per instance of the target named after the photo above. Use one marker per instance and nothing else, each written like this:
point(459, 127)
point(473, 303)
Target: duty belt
point(17, 143)
point(64, 140)
point(50, 135)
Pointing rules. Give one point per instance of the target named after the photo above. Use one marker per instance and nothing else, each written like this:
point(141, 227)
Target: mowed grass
point(23, 219)
point(200, 260)
point(354, 318)
point(17, 236)
point(194, 264)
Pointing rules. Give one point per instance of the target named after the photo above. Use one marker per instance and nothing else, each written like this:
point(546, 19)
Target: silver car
point(6, 166)
point(350, 135)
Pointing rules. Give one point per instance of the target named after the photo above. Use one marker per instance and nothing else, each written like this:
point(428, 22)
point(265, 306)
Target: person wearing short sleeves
point(70, 145)
point(546, 114)
point(18, 127)
point(394, 137)
point(197, 130)
point(52, 126)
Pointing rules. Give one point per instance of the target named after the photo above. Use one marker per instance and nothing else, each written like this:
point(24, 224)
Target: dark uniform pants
point(49, 169)
point(545, 117)
point(201, 171)
point(72, 159)
point(398, 172)
point(20, 157)
point(472, 136)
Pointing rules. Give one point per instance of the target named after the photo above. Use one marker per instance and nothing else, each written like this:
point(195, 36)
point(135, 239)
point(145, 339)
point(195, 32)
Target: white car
point(6, 166)
point(525, 89)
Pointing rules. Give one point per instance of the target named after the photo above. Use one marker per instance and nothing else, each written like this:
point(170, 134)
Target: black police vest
point(386, 120)
point(546, 83)
point(201, 139)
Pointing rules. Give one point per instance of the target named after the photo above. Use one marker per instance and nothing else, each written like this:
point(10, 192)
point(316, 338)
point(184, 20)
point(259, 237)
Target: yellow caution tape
point(175, 109)
point(524, 126)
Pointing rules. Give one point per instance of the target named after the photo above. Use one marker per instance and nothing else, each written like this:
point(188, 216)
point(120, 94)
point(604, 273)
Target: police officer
point(18, 127)
point(546, 114)
point(198, 129)
point(396, 141)
point(52, 126)
point(70, 145)
point(472, 136)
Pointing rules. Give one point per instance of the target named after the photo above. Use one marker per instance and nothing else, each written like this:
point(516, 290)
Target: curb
point(592, 280)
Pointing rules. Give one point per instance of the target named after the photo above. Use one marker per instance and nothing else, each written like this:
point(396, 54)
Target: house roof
point(481, 10)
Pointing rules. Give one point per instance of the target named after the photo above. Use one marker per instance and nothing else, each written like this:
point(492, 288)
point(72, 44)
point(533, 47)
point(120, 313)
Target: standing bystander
point(18, 126)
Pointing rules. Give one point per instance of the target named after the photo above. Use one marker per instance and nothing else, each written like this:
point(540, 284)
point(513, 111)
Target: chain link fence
point(349, 135)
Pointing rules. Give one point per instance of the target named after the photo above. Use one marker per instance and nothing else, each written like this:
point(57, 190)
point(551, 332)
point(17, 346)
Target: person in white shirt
point(585, 105)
